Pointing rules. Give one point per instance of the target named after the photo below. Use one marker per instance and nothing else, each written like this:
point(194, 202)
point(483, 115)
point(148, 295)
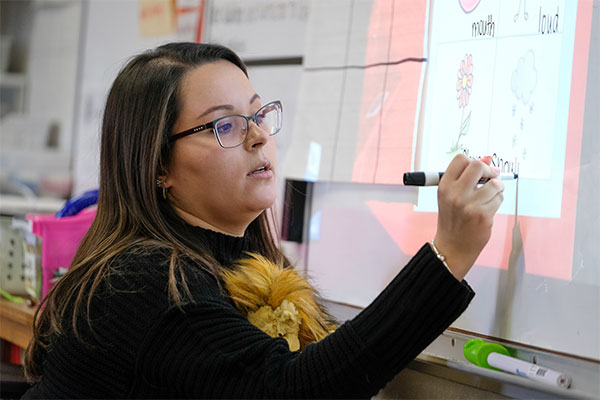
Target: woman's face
point(211, 186)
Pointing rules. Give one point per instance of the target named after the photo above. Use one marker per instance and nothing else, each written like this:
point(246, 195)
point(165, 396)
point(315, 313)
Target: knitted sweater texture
point(140, 345)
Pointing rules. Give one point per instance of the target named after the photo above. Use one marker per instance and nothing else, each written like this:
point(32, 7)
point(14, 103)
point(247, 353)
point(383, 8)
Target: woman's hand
point(466, 211)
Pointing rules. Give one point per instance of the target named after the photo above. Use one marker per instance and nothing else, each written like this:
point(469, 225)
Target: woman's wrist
point(451, 263)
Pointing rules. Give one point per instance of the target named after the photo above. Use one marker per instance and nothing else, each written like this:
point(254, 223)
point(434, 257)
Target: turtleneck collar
point(226, 249)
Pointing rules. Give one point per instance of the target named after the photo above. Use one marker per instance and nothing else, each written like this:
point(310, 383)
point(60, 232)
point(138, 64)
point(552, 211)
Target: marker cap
point(478, 350)
point(422, 178)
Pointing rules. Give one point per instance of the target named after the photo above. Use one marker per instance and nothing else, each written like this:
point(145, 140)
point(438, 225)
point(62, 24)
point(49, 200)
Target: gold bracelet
point(440, 256)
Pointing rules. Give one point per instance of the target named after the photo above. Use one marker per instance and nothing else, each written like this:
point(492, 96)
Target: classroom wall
point(110, 35)
point(37, 138)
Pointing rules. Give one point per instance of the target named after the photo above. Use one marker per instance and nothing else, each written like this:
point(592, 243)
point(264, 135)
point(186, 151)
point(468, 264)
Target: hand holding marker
point(496, 356)
point(433, 178)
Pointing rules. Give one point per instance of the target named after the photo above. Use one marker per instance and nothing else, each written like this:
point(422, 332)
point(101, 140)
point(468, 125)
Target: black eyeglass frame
point(213, 124)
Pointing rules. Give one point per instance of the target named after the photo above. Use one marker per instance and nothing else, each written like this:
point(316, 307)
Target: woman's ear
point(163, 180)
point(163, 183)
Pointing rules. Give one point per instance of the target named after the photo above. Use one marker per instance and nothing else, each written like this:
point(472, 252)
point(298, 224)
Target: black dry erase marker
point(433, 178)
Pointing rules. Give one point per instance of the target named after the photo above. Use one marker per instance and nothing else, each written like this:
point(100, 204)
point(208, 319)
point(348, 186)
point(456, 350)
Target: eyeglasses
point(231, 130)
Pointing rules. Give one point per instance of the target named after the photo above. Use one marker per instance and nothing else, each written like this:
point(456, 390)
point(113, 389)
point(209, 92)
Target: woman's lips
point(262, 171)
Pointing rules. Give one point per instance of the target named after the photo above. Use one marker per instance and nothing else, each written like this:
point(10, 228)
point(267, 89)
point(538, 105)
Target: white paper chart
point(498, 84)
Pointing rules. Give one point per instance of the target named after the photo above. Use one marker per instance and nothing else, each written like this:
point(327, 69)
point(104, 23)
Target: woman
point(187, 176)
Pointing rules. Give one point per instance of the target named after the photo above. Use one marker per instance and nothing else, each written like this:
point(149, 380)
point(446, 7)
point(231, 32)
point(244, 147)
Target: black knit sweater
point(142, 346)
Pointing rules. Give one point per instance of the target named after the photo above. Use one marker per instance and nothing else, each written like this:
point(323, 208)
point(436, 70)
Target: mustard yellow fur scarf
point(277, 300)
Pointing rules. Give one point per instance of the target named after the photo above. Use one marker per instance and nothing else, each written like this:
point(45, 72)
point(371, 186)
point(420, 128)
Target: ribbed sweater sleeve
point(208, 349)
point(414, 309)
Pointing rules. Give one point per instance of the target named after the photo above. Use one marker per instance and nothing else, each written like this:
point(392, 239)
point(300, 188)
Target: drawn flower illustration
point(465, 81)
point(464, 87)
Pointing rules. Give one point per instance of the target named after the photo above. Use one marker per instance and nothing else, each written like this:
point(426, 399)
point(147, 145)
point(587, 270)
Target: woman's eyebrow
point(216, 108)
point(253, 98)
point(226, 106)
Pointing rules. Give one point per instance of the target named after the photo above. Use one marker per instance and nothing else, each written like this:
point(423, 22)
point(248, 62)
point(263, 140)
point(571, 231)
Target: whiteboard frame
point(444, 357)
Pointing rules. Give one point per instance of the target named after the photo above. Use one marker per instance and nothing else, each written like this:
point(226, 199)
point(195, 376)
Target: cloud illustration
point(524, 78)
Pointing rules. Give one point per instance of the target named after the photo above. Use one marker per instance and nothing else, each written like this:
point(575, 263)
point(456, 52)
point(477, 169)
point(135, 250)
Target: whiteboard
point(357, 129)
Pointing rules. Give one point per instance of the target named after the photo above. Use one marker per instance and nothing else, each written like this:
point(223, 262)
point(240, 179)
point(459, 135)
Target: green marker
point(10, 297)
point(495, 356)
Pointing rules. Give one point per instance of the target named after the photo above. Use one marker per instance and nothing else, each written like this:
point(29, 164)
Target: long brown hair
point(141, 110)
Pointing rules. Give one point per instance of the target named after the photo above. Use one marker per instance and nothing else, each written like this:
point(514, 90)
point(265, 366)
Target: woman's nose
point(256, 138)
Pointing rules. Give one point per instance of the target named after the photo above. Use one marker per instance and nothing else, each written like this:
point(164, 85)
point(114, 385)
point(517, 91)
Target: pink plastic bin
point(60, 239)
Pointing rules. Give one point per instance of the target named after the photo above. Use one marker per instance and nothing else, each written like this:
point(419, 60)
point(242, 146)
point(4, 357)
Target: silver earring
point(160, 183)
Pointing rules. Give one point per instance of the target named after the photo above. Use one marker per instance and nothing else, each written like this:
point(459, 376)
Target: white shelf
point(17, 205)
